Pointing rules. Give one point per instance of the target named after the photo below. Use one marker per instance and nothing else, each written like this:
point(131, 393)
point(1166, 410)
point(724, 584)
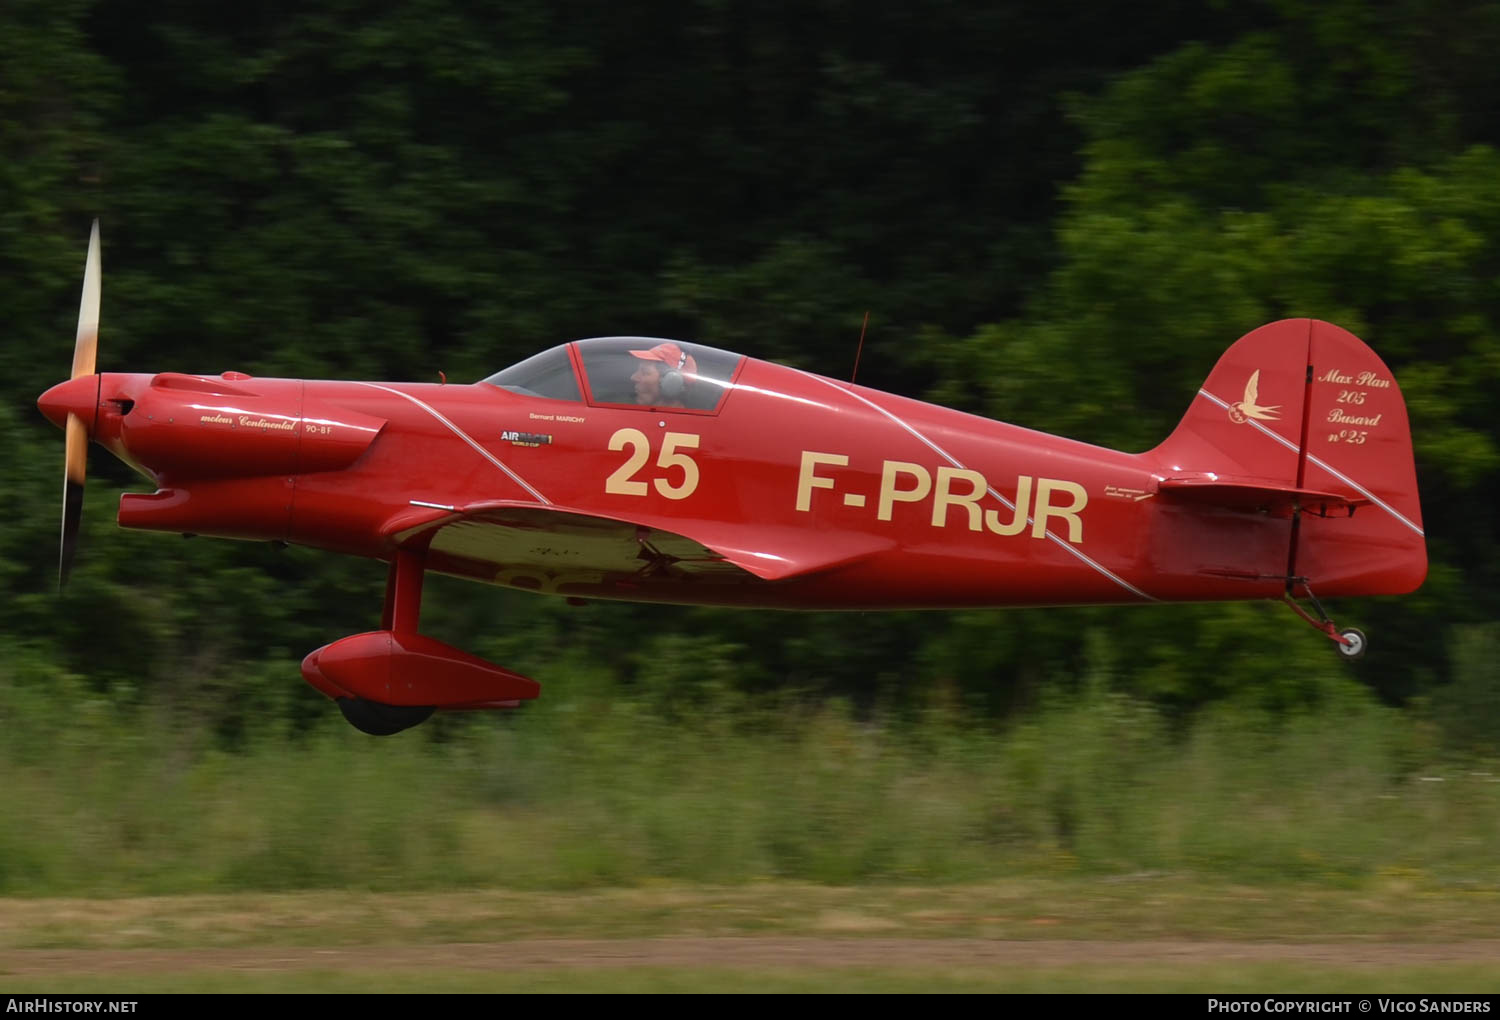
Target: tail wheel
point(1350, 641)
point(381, 720)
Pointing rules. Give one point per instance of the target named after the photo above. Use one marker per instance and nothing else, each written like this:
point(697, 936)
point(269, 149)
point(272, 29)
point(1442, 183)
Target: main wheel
point(381, 720)
point(1356, 647)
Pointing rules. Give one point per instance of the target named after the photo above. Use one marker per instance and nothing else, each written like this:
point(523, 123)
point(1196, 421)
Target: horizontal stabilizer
point(1257, 496)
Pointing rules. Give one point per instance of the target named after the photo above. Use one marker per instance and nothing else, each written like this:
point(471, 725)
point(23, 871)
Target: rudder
point(1358, 438)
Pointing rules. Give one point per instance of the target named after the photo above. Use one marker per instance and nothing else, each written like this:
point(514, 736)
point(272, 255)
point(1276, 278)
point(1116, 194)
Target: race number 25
point(623, 481)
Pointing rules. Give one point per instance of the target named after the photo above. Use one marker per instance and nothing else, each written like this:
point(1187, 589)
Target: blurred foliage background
point(1052, 212)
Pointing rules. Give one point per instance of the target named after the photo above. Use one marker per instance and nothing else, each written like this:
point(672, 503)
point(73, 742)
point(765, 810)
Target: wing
point(573, 552)
point(1252, 388)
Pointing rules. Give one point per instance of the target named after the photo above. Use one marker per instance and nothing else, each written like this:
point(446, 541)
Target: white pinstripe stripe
point(460, 433)
point(1326, 467)
point(1368, 494)
point(1067, 546)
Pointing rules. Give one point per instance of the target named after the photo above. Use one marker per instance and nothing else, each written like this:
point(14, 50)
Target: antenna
point(861, 346)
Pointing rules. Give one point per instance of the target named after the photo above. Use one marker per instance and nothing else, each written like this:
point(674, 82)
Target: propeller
point(75, 463)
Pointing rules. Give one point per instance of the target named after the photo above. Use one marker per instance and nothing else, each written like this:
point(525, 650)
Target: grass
point(127, 801)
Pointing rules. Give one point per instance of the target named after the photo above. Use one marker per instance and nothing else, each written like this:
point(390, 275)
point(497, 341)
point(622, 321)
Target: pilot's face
point(647, 381)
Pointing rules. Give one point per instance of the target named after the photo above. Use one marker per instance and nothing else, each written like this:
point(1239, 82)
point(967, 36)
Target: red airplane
point(663, 471)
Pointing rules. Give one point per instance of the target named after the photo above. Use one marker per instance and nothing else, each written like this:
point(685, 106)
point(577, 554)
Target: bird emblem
point(1248, 408)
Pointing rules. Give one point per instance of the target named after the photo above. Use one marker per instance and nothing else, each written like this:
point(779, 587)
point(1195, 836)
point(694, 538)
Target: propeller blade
point(74, 470)
point(75, 460)
point(86, 347)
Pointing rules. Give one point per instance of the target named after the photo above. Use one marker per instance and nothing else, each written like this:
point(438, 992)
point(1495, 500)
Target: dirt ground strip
point(732, 952)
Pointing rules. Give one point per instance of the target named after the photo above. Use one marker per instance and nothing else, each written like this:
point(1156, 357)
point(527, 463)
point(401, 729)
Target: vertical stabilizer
point(1295, 408)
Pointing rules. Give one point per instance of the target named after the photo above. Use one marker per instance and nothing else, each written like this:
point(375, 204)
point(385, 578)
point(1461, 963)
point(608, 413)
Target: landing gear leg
point(403, 591)
point(390, 679)
point(401, 612)
point(1349, 641)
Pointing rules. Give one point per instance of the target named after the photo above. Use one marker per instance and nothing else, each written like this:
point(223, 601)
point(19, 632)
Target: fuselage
point(828, 494)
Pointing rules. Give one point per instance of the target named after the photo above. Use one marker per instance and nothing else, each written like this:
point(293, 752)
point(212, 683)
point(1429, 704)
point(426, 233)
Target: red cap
point(671, 355)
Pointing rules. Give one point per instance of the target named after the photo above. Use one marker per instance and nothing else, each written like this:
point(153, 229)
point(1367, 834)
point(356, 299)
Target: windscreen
point(549, 374)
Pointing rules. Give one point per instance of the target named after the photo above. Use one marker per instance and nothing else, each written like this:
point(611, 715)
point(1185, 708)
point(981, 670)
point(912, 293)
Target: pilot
point(661, 377)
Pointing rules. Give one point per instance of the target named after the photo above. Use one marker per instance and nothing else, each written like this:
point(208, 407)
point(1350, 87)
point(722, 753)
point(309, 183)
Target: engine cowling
point(185, 427)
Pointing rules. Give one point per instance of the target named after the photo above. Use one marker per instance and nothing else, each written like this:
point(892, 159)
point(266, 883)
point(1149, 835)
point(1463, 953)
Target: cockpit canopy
point(609, 364)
